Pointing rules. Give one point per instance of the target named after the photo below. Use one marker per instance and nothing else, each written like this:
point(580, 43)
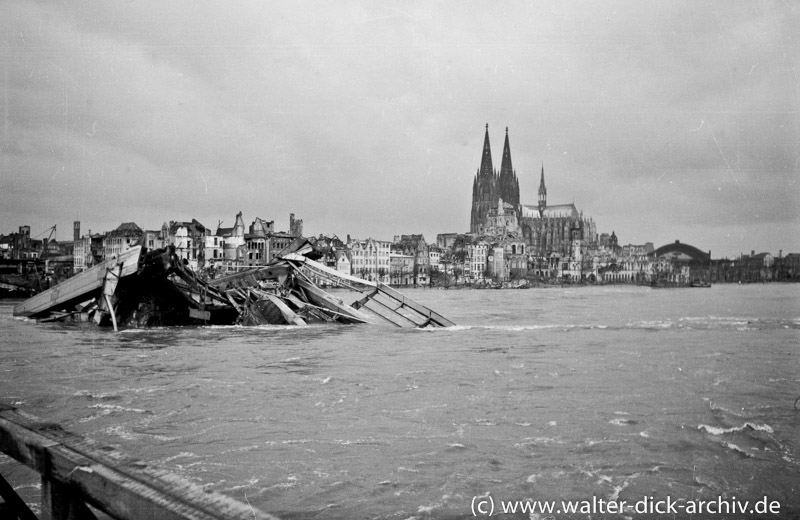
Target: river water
point(614, 392)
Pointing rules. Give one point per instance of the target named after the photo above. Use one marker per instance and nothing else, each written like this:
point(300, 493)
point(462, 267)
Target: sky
point(662, 121)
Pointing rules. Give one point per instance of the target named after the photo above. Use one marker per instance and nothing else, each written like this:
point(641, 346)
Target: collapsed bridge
point(146, 288)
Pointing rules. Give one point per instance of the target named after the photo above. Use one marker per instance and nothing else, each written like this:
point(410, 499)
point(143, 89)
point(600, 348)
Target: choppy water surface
point(611, 392)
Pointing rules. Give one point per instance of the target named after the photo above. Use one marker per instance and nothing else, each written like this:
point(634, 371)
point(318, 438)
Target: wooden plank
point(120, 496)
point(55, 316)
point(112, 482)
point(110, 307)
point(24, 445)
point(360, 303)
point(233, 302)
point(288, 314)
point(195, 290)
point(261, 311)
point(392, 312)
point(416, 307)
point(323, 299)
point(397, 304)
point(79, 286)
point(12, 287)
point(299, 245)
point(199, 314)
point(251, 276)
point(327, 270)
point(319, 313)
point(382, 316)
point(111, 279)
point(420, 320)
point(428, 316)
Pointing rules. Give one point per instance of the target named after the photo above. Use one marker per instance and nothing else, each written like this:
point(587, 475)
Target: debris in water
point(142, 288)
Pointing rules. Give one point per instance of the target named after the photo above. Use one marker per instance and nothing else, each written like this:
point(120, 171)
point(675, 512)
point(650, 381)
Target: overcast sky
point(660, 120)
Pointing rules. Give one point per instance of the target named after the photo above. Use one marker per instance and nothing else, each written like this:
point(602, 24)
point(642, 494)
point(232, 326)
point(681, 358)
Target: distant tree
point(446, 261)
point(436, 277)
point(457, 272)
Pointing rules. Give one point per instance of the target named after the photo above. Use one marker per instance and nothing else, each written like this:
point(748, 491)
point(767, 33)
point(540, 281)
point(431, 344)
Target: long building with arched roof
point(681, 253)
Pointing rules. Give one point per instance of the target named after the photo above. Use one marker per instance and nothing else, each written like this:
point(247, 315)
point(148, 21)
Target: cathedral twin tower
point(497, 211)
point(491, 186)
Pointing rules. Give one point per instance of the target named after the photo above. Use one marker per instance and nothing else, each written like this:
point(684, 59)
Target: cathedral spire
point(506, 164)
point(542, 191)
point(508, 184)
point(486, 160)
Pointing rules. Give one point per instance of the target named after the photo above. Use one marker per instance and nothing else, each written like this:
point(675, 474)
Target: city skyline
point(662, 123)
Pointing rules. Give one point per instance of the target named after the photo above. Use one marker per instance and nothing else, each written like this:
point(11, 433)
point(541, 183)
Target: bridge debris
point(142, 288)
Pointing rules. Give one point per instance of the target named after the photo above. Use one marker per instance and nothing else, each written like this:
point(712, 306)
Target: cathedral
point(497, 212)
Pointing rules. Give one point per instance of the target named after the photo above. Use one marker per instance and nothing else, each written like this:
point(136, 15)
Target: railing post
point(13, 504)
point(76, 473)
point(59, 502)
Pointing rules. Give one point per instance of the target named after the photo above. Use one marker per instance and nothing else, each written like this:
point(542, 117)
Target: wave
point(108, 409)
point(548, 326)
point(617, 490)
point(116, 394)
point(120, 431)
point(537, 441)
point(116, 408)
point(181, 455)
point(713, 430)
point(291, 481)
point(511, 328)
point(737, 449)
point(691, 322)
point(717, 408)
point(743, 324)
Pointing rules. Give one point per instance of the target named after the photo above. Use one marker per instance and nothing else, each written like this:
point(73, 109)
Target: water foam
point(617, 490)
point(713, 430)
point(715, 407)
point(116, 408)
point(737, 449)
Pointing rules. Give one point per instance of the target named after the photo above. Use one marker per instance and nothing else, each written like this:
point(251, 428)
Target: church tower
point(484, 188)
point(542, 192)
point(508, 183)
point(490, 186)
